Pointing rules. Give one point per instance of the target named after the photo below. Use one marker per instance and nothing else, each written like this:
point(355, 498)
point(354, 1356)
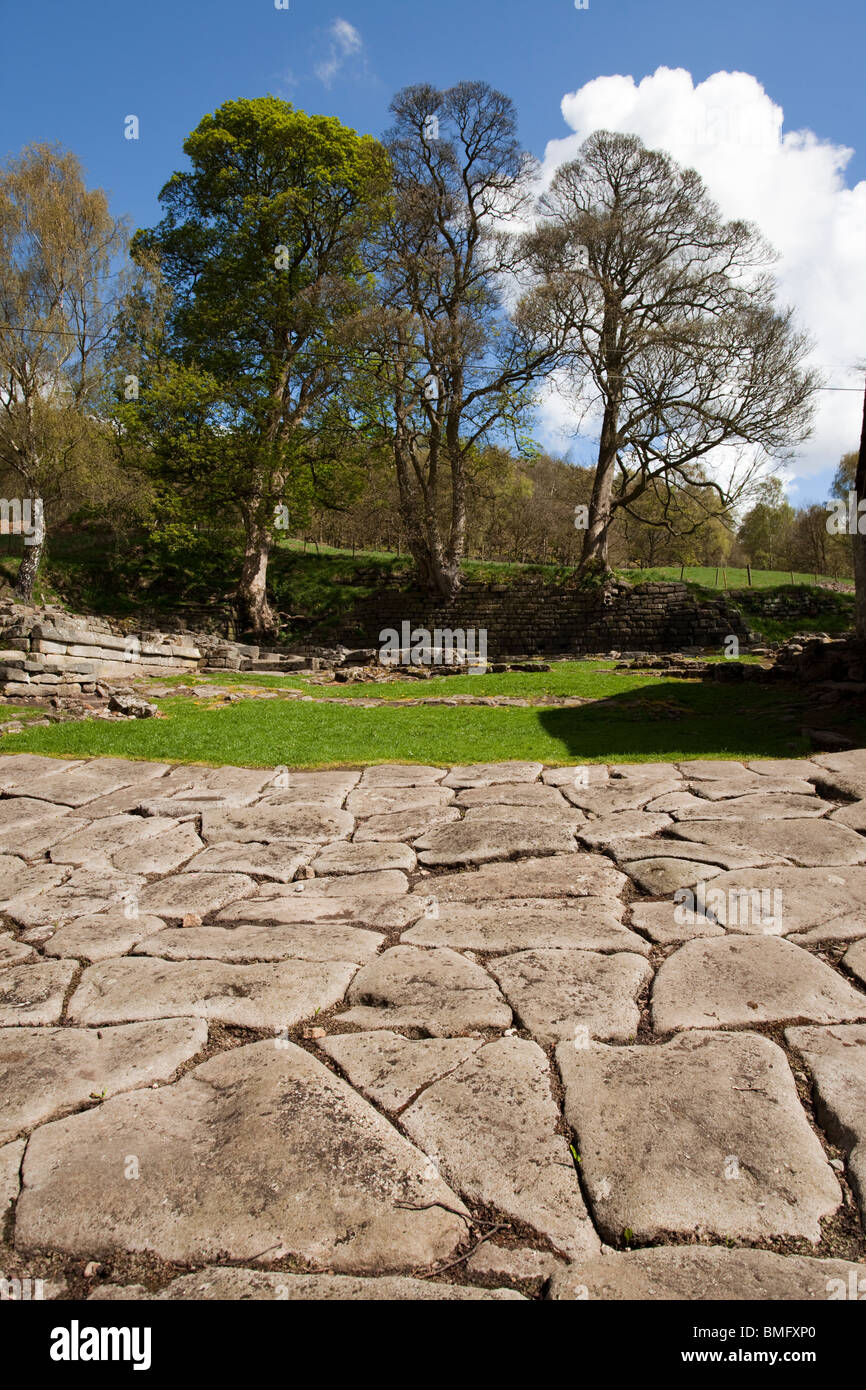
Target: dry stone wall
point(539, 620)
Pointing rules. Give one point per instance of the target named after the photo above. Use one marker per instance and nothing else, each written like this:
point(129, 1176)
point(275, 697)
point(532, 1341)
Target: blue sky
point(73, 71)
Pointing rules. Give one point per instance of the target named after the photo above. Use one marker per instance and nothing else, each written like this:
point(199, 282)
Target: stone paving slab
point(663, 1129)
point(379, 967)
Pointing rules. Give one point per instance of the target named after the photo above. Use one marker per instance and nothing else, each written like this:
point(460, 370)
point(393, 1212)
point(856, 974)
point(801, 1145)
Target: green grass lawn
point(633, 719)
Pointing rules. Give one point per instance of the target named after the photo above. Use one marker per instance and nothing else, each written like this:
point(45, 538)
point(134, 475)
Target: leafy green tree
point(766, 530)
point(262, 247)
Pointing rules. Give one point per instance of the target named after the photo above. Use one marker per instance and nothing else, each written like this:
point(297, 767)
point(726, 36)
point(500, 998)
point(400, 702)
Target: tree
point(858, 540)
point(766, 530)
point(456, 357)
point(676, 343)
point(262, 246)
point(62, 278)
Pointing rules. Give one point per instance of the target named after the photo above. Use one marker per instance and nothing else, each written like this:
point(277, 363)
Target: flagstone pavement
point(488, 1032)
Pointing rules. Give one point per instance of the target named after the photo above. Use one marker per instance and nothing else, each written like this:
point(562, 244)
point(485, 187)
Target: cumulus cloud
point(344, 42)
point(792, 184)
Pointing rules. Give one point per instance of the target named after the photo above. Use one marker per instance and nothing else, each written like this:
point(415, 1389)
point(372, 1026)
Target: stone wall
point(46, 652)
point(538, 620)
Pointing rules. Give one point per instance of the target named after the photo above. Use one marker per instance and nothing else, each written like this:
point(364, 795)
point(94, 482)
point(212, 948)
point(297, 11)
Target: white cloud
point(344, 42)
point(791, 184)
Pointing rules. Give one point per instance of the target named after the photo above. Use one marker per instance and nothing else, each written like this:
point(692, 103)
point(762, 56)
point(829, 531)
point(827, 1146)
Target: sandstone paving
point(392, 1070)
point(230, 1284)
point(438, 992)
point(48, 1072)
point(259, 1153)
point(704, 1135)
point(34, 992)
point(199, 893)
point(737, 980)
point(666, 875)
point(384, 913)
point(295, 823)
point(404, 825)
point(478, 839)
point(247, 943)
point(265, 996)
point(806, 843)
point(363, 858)
point(809, 900)
point(704, 1273)
point(572, 875)
point(487, 774)
point(398, 775)
point(668, 923)
point(276, 861)
point(14, 952)
point(422, 965)
point(491, 1124)
point(593, 924)
point(836, 1058)
point(579, 995)
point(100, 936)
point(10, 1167)
point(383, 801)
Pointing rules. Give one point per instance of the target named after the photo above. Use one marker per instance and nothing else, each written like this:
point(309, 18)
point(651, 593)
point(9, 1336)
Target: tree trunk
point(858, 541)
point(596, 537)
point(32, 556)
point(256, 615)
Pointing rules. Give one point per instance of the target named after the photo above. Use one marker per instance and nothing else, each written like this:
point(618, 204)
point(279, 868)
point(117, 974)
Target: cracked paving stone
point(575, 995)
point(30, 835)
point(667, 923)
point(807, 843)
point(624, 825)
point(14, 952)
point(398, 775)
point(290, 788)
point(590, 924)
point(555, 876)
point(20, 881)
point(375, 911)
point(665, 875)
point(386, 801)
point(76, 787)
point(229, 1285)
point(133, 989)
point(842, 774)
point(92, 847)
point(532, 1267)
point(391, 1070)
point(34, 992)
point(535, 794)
point(384, 883)
point(718, 982)
point(725, 855)
point(57, 906)
point(760, 786)
point(836, 1057)
point(480, 839)
point(10, 1166)
point(816, 904)
point(619, 796)
point(259, 1153)
point(304, 941)
point(437, 992)
point(592, 774)
point(702, 1136)
point(344, 858)
point(291, 822)
point(99, 936)
point(701, 1273)
point(194, 893)
point(491, 1124)
point(48, 1072)
point(276, 861)
point(160, 855)
point(853, 815)
point(20, 769)
point(487, 774)
point(404, 825)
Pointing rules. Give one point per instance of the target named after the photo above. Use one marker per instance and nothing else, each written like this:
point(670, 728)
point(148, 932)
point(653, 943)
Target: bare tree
point(59, 292)
point(455, 350)
point(676, 341)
